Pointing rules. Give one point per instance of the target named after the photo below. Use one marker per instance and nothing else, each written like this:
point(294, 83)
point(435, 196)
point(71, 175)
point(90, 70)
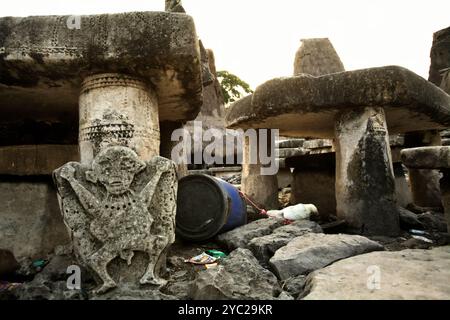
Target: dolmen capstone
point(432, 158)
point(356, 109)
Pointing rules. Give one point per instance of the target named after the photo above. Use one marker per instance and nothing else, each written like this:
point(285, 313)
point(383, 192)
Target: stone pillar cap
point(306, 106)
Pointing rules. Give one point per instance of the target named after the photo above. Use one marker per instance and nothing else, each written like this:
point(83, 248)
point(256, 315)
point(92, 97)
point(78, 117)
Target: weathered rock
point(118, 110)
point(240, 237)
point(332, 106)
point(135, 214)
point(407, 274)
point(433, 221)
point(285, 296)
point(317, 57)
point(435, 157)
point(264, 247)
point(51, 282)
point(179, 289)
point(305, 106)
point(48, 290)
point(27, 160)
point(402, 189)
point(261, 188)
point(292, 152)
point(365, 184)
point(125, 293)
point(31, 222)
point(424, 183)
point(316, 186)
point(313, 251)
point(43, 61)
point(290, 143)
point(295, 285)
point(440, 55)
point(8, 262)
point(237, 277)
point(408, 219)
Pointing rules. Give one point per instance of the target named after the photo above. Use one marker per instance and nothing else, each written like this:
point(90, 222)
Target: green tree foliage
point(233, 88)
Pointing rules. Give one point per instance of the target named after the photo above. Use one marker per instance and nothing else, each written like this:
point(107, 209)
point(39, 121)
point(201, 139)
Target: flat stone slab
point(306, 106)
point(314, 251)
point(292, 152)
point(240, 237)
point(407, 274)
point(42, 61)
point(264, 247)
point(30, 160)
point(318, 144)
point(290, 143)
point(437, 157)
point(238, 276)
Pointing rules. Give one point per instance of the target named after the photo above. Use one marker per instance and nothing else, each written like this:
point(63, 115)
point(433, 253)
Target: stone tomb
point(115, 79)
point(314, 175)
point(432, 158)
point(356, 108)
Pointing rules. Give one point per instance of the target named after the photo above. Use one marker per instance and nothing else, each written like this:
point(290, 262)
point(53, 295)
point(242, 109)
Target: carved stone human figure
point(113, 209)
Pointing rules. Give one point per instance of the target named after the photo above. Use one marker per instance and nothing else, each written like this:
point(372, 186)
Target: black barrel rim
point(200, 199)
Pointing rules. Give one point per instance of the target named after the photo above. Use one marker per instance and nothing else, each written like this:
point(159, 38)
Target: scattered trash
point(423, 239)
point(39, 264)
point(216, 253)
point(8, 286)
point(418, 232)
point(202, 258)
point(211, 265)
point(297, 212)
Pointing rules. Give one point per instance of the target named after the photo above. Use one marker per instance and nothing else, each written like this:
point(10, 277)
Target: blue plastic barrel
point(207, 206)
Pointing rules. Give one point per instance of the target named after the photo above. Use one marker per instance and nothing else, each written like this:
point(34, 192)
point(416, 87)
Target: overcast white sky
point(257, 39)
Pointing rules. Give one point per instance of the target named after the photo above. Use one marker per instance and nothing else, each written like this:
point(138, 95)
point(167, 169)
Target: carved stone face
point(115, 168)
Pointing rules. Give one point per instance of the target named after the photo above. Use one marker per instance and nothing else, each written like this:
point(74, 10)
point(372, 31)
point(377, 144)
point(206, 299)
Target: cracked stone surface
point(313, 251)
point(239, 276)
point(265, 247)
point(306, 106)
point(407, 274)
point(115, 207)
point(240, 237)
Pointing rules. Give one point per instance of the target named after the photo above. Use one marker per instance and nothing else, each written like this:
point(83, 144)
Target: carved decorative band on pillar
point(117, 109)
point(365, 187)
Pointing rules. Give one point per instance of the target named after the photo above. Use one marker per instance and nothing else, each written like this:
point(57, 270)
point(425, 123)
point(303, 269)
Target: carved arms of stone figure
point(88, 201)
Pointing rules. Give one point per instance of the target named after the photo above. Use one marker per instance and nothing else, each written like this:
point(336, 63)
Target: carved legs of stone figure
point(99, 262)
point(150, 276)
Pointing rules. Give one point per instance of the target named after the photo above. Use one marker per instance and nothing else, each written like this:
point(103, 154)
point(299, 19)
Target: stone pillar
point(263, 189)
point(167, 127)
point(424, 183)
point(117, 109)
point(403, 193)
point(365, 187)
